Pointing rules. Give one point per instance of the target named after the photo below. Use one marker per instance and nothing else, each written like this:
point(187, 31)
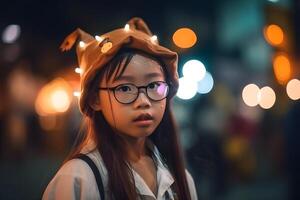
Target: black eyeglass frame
point(138, 89)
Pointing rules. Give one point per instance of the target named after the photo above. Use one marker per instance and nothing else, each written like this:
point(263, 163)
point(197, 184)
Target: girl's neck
point(135, 148)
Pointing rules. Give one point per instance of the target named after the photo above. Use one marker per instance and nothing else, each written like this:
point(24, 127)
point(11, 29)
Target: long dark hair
point(165, 137)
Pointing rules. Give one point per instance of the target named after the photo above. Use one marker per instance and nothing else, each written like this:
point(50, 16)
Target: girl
point(130, 148)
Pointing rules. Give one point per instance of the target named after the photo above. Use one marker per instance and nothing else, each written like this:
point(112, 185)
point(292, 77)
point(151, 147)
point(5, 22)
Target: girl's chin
point(136, 135)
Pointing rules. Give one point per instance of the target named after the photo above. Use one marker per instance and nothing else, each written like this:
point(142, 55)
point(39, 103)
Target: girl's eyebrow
point(132, 78)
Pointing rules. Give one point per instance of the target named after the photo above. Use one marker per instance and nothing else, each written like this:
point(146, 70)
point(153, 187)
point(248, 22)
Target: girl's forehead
point(140, 67)
point(138, 59)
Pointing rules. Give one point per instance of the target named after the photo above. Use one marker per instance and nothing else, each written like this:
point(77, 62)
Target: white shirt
point(75, 180)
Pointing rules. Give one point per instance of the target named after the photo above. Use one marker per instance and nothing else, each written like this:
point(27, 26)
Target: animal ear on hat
point(139, 24)
point(72, 38)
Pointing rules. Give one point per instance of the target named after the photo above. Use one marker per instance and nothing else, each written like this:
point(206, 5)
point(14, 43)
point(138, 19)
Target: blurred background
point(238, 107)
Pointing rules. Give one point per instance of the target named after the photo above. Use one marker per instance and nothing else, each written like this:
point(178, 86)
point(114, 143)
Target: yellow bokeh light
point(274, 34)
point(266, 97)
point(60, 100)
point(184, 38)
point(293, 89)
point(54, 97)
point(282, 68)
point(250, 95)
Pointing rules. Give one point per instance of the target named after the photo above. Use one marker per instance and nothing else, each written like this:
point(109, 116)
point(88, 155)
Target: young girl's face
point(141, 117)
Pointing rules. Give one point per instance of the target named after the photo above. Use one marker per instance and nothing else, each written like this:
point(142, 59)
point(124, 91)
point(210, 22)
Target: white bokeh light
point(250, 95)
point(194, 70)
point(266, 97)
point(206, 84)
point(11, 33)
point(187, 88)
point(293, 89)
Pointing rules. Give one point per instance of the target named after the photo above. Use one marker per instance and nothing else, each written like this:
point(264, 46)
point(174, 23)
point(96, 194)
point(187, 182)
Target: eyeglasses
point(127, 93)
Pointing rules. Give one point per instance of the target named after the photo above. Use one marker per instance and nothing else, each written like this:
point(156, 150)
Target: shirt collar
point(163, 175)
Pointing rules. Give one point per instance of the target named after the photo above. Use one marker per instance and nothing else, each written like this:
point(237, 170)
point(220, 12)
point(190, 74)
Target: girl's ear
point(95, 103)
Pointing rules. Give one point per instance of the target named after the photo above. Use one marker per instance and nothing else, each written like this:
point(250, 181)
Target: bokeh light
point(11, 33)
point(60, 100)
point(206, 84)
point(53, 98)
point(266, 97)
point(274, 34)
point(282, 68)
point(293, 89)
point(194, 70)
point(184, 38)
point(250, 95)
point(187, 88)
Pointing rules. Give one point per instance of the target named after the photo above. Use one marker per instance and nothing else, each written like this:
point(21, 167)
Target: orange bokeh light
point(274, 34)
point(53, 98)
point(282, 68)
point(184, 38)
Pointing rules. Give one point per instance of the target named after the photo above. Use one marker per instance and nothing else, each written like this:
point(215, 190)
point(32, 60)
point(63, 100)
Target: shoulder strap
point(96, 172)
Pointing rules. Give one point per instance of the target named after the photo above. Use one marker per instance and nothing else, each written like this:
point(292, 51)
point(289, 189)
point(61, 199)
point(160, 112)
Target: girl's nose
point(142, 100)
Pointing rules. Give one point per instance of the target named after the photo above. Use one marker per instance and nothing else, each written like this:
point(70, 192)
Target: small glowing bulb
point(154, 39)
point(98, 38)
point(76, 94)
point(81, 44)
point(78, 70)
point(126, 28)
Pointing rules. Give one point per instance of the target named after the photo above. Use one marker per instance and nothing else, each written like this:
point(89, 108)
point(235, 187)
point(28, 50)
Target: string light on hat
point(78, 70)
point(98, 38)
point(154, 39)
point(76, 94)
point(127, 28)
point(81, 44)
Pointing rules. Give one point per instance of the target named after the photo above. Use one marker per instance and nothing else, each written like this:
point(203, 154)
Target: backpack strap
point(96, 173)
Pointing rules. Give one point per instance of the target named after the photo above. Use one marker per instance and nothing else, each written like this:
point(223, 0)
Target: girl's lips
point(146, 122)
point(143, 117)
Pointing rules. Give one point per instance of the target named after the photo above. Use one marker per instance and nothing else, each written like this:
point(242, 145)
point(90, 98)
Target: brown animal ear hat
point(93, 53)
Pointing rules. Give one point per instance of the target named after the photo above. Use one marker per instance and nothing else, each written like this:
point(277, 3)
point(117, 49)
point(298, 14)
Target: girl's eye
point(124, 88)
point(153, 85)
